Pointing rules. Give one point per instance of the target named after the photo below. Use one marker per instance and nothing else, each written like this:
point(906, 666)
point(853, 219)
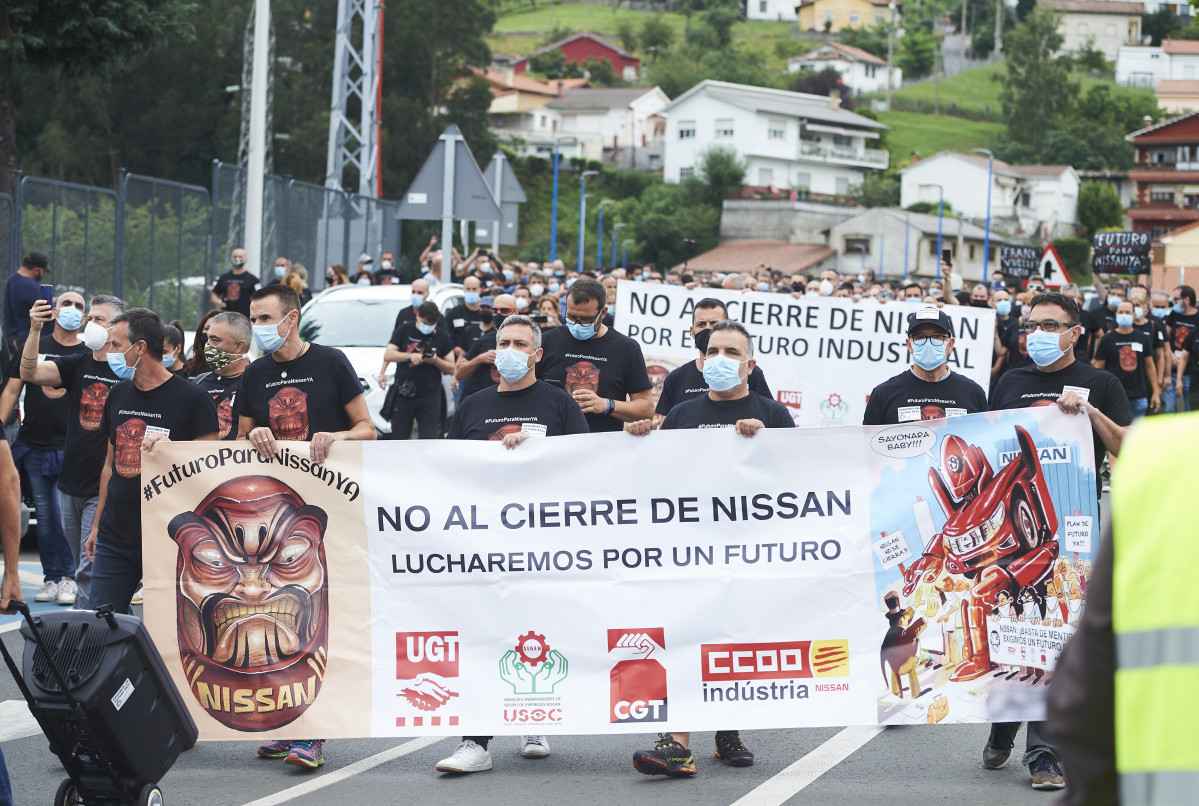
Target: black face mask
point(978, 303)
point(701, 340)
point(498, 321)
point(486, 318)
point(797, 287)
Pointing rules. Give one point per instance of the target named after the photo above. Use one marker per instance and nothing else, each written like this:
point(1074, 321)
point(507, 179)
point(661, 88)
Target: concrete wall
point(794, 222)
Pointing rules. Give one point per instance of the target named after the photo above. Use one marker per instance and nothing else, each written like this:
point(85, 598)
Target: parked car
point(358, 320)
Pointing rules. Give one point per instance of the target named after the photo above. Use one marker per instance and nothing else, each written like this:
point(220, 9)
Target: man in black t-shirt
point(422, 351)
point(1075, 387)
point(604, 371)
point(729, 403)
point(470, 312)
point(1155, 329)
point(86, 378)
point(1183, 321)
point(419, 294)
point(234, 288)
point(1128, 354)
point(476, 370)
point(929, 390)
point(150, 405)
point(39, 444)
point(687, 382)
point(227, 353)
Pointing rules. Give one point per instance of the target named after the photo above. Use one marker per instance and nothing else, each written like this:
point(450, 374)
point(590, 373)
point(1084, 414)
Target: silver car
point(358, 320)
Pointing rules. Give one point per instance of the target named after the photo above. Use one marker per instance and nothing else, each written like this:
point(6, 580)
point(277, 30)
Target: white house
point(1145, 66)
point(790, 140)
point(773, 10)
point(615, 124)
point(896, 243)
point(1105, 24)
point(1025, 199)
point(860, 70)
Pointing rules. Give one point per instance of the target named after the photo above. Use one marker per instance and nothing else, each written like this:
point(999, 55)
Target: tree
point(1090, 59)
point(1098, 207)
point(823, 83)
point(1161, 24)
point(551, 64)
point(77, 38)
point(917, 52)
point(1024, 8)
point(1038, 95)
point(1087, 147)
point(656, 34)
point(876, 190)
point(600, 72)
point(872, 40)
point(626, 32)
point(721, 168)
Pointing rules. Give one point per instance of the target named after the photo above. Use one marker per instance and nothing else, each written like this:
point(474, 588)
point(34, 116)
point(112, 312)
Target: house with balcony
point(620, 126)
point(861, 71)
point(1035, 200)
point(1107, 25)
point(518, 113)
point(1165, 173)
point(789, 140)
point(1147, 66)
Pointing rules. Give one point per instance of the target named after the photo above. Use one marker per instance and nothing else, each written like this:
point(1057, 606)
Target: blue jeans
point(5, 786)
point(1003, 734)
point(57, 559)
point(1140, 405)
point(115, 573)
point(78, 514)
point(1170, 403)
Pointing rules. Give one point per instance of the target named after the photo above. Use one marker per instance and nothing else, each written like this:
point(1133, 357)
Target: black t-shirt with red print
point(1181, 327)
point(611, 365)
point(301, 397)
point(906, 398)
point(235, 290)
point(177, 409)
point(540, 410)
point(87, 382)
point(1124, 356)
point(409, 339)
point(223, 392)
point(1017, 350)
point(45, 413)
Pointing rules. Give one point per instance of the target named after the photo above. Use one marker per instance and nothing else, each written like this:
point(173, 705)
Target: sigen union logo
point(780, 660)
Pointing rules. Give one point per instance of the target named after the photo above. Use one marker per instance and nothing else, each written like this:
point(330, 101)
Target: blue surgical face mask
point(168, 360)
point(363, 281)
point(508, 275)
point(929, 355)
point(722, 373)
point(116, 362)
point(280, 271)
point(70, 318)
point(1114, 302)
point(554, 288)
point(1003, 307)
point(570, 282)
point(268, 339)
point(1123, 320)
point(581, 332)
point(1178, 307)
point(1160, 313)
point(426, 329)
point(764, 286)
point(1139, 312)
point(1044, 348)
point(418, 300)
point(512, 364)
point(471, 297)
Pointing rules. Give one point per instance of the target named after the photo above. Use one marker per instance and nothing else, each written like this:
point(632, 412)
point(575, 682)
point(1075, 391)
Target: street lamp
point(583, 211)
point(615, 228)
point(624, 253)
point(599, 246)
point(940, 220)
point(987, 235)
point(554, 211)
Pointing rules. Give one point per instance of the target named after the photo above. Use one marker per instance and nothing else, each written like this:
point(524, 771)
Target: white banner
point(821, 356)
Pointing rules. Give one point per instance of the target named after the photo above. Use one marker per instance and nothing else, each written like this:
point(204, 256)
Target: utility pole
point(998, 29)
point(962, 39)
point(256, 157)
point(890, 53)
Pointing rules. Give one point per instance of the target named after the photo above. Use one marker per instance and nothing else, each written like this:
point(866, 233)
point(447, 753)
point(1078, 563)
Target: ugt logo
point(637, 680)
point(532, 667)
point(426, 665)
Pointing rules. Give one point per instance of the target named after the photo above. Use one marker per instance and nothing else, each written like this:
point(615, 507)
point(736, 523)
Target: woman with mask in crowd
point(196, 364)
point(336, 275)
point(172, 347)
point(297, 280)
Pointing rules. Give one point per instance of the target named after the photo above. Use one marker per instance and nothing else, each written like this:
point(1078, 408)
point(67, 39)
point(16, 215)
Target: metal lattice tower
point(243, 144)
point(353, 118)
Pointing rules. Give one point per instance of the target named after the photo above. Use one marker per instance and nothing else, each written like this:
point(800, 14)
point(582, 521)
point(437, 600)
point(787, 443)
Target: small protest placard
point(1123, 252)
point(1020, 261)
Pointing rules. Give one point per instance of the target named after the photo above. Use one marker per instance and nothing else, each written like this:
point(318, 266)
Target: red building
point(1165, 174)
point(583, 46)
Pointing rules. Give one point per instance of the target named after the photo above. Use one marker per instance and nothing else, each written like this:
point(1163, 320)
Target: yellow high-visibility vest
point(1155, 612)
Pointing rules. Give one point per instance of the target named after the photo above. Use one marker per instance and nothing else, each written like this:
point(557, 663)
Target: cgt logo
point(782, 660)
point(638, 680)
point(426, 662)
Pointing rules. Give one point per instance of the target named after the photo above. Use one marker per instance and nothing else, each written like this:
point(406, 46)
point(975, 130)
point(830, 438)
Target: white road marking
point(337, 776)
point(792, 780)
point(16, 721)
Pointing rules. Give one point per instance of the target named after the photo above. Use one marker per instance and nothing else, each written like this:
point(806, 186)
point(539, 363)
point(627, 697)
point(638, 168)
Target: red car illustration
point(1000, 534)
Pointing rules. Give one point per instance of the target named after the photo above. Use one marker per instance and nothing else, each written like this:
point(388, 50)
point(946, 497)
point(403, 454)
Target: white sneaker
point(66, 592)
point(468, 757)
point(137, 595)
point(535, 747)
point(47, 593)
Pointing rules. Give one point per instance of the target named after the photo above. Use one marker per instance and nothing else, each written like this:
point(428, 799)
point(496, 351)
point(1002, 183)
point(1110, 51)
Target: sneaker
point(731, 750)
point(468, 757)
point(66, 592)
point(137, 595)
point(667, 758)
point(275, 750)
point(535, 747)
point(309, 754)
point(47, 592)
point(995, 757)
point(1046, 774)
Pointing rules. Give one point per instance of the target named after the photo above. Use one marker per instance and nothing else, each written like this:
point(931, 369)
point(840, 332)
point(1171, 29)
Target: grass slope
point(929, 134)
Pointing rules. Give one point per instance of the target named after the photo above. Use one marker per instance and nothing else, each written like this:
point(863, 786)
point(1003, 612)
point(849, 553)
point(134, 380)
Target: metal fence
point(161, 244)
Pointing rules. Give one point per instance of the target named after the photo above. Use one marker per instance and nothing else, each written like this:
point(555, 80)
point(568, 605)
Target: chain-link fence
point(75, 227)
point(316, 232)
point(8, 244)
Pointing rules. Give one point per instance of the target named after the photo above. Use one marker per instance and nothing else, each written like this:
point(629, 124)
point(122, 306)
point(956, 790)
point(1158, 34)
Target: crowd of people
point(534, 352)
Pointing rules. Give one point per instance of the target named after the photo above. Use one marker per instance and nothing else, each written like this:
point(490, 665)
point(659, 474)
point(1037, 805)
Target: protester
point(468, 313)
point(1127, 353)
point(729, 403)
point(297, 280)
point(603, 370)
point(10, 587)
point(196, 364)
point(387, 274)
point(282, 266)
point(422, 352)
point(548, 306)
point(419, 292)
point(227, 354)
point(476, 370)
point(1182, 321)
point(336, 275)
point(364, 278)
point(929, 390)
point(38, 448)
point(1076, 387)
point(150, 405)
point(172, 349)
point(21, 290)
point(233, 288)
point(298, 391)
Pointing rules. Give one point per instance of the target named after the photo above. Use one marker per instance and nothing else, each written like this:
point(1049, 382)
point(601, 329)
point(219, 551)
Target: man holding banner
point(1076, 387)
point(929, 390)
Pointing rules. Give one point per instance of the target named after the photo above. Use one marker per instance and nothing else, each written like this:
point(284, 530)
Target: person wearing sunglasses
point(476, 369)
point(1075, 387)
point(929, 389)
